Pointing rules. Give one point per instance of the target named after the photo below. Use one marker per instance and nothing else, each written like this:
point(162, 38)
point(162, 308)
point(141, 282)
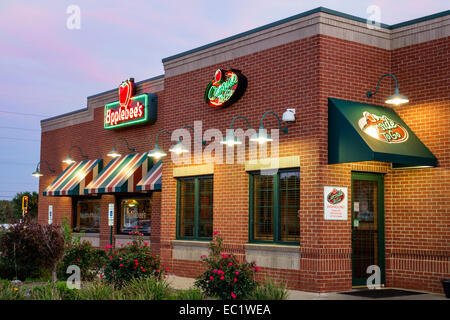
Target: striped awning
point(73, 180)
point(121, 174)
point(152, 181)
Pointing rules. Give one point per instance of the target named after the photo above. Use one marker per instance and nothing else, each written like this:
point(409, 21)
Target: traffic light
point(25, 205)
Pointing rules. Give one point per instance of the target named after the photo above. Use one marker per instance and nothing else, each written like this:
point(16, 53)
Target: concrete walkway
point(186, 283)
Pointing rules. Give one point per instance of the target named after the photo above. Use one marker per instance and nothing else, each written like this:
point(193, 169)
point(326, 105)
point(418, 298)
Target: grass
point(270, 290)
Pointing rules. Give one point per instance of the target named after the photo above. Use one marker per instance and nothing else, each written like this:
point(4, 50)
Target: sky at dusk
point(47, 69)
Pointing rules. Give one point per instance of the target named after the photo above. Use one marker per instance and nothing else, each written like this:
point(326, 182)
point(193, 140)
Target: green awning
point(364, 132)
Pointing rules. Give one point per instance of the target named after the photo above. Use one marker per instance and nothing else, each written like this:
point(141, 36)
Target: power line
point(25, 129)
point(24, 114)
point(19, 139)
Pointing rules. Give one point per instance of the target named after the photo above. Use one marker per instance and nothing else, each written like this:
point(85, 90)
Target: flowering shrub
point(82, 254)
point(225, 277)
point(130, 261)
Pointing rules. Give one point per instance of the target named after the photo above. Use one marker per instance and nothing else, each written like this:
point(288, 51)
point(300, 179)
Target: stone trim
point(316, 23)
point(93, 238)
point(273, 256)
point(273, 163)
point(97, 101)
point(193, 170)
point(189, 250)
point(125, 238)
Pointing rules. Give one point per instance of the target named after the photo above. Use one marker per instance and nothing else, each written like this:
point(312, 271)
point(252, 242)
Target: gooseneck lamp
point(114, 154)
point(230, 140)
point(69, 159)
point(38, 172)
point(262, 136)
point(180, 148)
point(396, 98)
point(156, 152)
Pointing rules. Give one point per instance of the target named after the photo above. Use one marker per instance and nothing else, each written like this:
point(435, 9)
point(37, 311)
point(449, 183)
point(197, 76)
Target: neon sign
point(225, 88)
point(130, 109)
point(382, 128)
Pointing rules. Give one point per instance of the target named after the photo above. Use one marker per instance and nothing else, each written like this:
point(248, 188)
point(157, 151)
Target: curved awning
point(152, 181)
point(73, 180)
point(364, 132)
point(121, 174)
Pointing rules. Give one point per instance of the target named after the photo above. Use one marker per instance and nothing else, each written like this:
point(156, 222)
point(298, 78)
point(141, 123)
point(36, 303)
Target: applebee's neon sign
point(130, 109)
point(225, 88)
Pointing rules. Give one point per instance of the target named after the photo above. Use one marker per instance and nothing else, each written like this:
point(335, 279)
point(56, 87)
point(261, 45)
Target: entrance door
point(367, 225)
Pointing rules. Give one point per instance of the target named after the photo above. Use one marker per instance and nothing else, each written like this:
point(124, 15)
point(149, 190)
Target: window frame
point(196, 207)
point(276, 208)
point(75, 201)
point(118, 213)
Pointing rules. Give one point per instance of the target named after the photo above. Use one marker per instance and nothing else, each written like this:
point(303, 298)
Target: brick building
point(355, 181)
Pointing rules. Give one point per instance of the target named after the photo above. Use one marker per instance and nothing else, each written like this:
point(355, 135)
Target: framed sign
point(335, 203)
point(225, 88)
point(130, 109)
point(50, 214)
point(111, 214)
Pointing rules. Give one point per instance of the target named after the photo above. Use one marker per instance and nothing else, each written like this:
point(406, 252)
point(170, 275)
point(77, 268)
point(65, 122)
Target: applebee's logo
point(126, 90)
point(225, 88)
point(382, 128)
point(336, 196)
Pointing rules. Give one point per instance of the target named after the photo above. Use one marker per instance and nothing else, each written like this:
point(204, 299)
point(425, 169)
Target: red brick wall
point(301, 75)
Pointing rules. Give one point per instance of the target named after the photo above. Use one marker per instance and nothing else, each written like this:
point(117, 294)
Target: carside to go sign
point(335, 202)
point(111, 214)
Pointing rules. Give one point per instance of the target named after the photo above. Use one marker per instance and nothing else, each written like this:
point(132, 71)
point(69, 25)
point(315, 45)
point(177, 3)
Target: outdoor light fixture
point(396, 98)
point(262, 136)
point(180, 148)
point(38, 172)
point(114, 154)
point(156, 152)
point(69, 159)
point(230, 140)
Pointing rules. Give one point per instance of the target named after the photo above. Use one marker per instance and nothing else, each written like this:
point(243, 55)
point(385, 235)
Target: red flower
point(101, 276)
point(233, 295)
point(230, 264)
point(222, 277)
point(237, 273)
point(110, 257)
point(216, 232)
point(235, 280)
point(121, 265)
point(211, 278)
point(256, 269)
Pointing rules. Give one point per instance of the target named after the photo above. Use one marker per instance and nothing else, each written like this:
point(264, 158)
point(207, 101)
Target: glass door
point(367, 225)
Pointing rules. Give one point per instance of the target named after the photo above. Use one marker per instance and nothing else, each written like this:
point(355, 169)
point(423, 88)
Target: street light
point(396, 98)
point(37, 173)
point(69, 159)
point(231, 140)
point(262, 136)
point(114, 154)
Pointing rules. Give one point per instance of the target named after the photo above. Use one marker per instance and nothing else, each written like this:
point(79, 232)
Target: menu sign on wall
point(130, 109)
point(225, 88)
point(335, 203)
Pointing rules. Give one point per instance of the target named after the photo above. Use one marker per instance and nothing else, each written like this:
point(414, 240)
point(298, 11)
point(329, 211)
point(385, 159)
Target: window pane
point(135, 215)
point(88, 216)
point(187, 208)
point(206, 208)
point(263, 207)
point(289, 206)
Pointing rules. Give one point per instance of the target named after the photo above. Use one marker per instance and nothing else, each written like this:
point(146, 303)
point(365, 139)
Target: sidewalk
point(186, 283)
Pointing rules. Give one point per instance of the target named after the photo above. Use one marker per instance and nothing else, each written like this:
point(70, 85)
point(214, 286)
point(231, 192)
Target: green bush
point(132, 261)
point(189, 294)
point(30, 249)
point(11, 291)
point(65, 293)
point(270, 290)
point(99, 290)
point(225, 277)
point(146, 288)
point(81, 253)
point(44, 292)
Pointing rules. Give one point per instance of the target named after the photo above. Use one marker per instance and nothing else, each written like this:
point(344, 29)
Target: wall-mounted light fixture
point(396, 98)
point(69, 159)
point(156, 152)
point(230, 140)
point(38, 172)
point(114, 154)
point(262, 136)
point(179, 147)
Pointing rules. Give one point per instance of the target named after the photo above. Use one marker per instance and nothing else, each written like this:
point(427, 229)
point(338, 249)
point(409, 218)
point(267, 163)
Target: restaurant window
point(274, 204)
point(135, 215)
point(195, 208)
point(87, 218)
